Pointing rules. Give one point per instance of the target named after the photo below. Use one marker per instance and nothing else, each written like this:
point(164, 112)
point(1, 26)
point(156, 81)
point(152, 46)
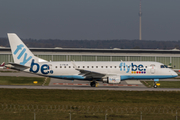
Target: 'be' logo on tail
point(45, 69)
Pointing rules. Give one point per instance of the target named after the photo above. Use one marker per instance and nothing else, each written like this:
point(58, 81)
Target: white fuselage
point(124, 69)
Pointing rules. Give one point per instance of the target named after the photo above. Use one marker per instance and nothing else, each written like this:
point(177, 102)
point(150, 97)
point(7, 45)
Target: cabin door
point(152, 69)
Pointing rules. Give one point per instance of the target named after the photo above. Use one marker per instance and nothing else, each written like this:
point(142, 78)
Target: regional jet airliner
point(109, 72)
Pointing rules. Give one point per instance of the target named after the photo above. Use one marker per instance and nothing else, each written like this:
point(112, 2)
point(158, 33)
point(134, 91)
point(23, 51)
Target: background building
point(69, 54)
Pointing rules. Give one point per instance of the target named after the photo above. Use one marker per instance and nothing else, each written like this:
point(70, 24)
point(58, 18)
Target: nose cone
point(174, 74)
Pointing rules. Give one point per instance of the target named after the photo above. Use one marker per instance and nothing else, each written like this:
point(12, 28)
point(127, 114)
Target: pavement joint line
point(88, 84)
point(44, 81)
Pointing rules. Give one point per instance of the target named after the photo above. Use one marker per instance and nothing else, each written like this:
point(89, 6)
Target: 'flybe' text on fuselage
point(134, 68)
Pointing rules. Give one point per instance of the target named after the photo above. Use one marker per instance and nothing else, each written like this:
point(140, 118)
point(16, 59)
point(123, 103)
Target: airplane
point(2, 66)
point(108, 72)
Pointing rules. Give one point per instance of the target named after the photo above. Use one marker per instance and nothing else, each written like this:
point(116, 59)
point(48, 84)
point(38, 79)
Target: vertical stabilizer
point(21, 54)
point(2, 64)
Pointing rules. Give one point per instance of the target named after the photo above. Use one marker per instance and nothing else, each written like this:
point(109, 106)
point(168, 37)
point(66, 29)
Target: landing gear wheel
point(155, 86)
point(93, 84)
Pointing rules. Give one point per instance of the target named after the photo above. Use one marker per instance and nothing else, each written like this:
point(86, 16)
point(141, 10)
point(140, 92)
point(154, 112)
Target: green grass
point(9, 71)
point(85, 97)
point(79, 116)
point(163, 84)
point(100, 99)
point(9, 80)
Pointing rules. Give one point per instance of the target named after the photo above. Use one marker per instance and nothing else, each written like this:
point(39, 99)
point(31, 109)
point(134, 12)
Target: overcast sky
point(90, 19)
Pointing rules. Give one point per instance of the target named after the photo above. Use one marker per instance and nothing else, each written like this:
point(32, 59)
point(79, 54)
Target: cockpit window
point(164, 66)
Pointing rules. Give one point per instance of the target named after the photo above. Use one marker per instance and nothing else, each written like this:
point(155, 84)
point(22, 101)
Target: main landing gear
point(94, 84)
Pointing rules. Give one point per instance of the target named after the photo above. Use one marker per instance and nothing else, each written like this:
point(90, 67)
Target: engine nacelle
point(112, 79)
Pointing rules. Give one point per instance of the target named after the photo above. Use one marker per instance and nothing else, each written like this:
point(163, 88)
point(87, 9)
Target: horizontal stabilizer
point(16, 66)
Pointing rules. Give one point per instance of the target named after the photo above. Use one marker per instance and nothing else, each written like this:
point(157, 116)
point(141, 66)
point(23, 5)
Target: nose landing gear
point(155, 86)
point(155, 83)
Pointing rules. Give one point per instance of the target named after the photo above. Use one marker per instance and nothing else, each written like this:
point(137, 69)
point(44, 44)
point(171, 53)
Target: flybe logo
point(35, 67)
point(135, 69)
point(23, 52)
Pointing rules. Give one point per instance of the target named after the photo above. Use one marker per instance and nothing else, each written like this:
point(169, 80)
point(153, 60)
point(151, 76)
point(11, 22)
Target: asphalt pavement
point(128, 85)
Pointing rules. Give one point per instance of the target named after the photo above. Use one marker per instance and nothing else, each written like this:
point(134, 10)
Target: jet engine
point(112, 79)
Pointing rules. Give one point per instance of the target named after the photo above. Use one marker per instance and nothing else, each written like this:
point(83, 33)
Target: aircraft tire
point(93, 84)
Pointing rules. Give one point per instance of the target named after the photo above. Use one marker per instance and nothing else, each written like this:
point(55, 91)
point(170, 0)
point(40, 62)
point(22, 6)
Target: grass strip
point(13, 80)
point(89, 98)
point(163, 84)
point(7, 71)
point(79, 98)
point(85, 116)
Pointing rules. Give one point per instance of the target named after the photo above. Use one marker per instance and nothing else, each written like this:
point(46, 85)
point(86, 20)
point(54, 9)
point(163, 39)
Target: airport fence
point(73, 112)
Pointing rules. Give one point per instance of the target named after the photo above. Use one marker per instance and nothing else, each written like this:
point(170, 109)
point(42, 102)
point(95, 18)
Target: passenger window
point(92, 66)
point(114, 66)
point(101, 66)
point(106, 66)
point(96, 66)
point(64, 66)
point(124, 66)
point(78, 66)
point(146, 66)
point(110, 66)
point(60, 66)
point(87, 66)
point(56, 66)
point(83, 66)
point(128, 66)
point(69, 66)
point(119, 66)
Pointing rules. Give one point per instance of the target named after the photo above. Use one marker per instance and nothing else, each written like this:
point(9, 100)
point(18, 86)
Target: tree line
point(101, 44)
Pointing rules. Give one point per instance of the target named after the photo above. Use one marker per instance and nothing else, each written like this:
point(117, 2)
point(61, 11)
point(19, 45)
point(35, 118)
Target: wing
point(89, 74)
